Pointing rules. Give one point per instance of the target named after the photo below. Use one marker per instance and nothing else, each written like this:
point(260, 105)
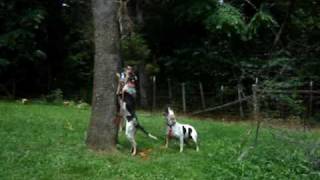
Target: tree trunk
point(102, 131)
point(143, 86)
point(284, 23)
point(143, 76)
point(139, 13)
point(56, 30)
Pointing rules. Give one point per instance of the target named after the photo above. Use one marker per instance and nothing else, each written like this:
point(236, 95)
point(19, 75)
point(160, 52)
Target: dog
point(183, 132)
point(126, 94)
point(132, 124)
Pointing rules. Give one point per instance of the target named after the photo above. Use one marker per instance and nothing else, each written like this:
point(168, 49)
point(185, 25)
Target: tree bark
point(102, 131)
point(56, 30)
point(143, 86)
point(139, 13)
point(143, 76)
point(284, 23)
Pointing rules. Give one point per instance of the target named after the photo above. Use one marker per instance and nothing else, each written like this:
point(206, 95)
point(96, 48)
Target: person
point(127, 82)
point(130, 82)
point(126, 92)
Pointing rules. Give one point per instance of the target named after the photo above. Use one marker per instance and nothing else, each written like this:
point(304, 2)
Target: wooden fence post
point(202, 96)
point(169, 91)
point(240, 101)
point(222, 93)
point(255, 100)
point(311, 99)
point(154, 93)
point(310, 109)
point(184, 98)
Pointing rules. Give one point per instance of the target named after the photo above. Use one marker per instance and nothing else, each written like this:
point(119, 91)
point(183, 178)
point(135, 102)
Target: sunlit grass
point(47, 142)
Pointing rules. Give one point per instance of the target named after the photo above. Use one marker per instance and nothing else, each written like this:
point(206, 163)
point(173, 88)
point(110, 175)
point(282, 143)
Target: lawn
point(40, 141)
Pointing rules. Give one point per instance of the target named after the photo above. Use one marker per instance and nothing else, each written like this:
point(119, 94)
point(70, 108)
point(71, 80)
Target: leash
point(138, 126)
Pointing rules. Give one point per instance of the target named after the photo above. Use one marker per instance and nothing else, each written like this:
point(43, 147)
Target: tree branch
point(251, 4)
point(284, 24)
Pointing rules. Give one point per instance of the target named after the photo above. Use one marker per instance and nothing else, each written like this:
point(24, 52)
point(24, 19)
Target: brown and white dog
point(183, 132)
point(132, 124)
point(126, 108)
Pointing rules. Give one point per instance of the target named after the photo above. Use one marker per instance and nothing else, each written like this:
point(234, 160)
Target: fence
point(196, 97)
point(190, 95)
point(199, 98)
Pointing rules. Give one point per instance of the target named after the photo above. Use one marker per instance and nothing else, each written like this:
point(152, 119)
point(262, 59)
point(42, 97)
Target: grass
point(47, 142)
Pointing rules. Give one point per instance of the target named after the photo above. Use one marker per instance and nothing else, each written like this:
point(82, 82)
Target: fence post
point(222, 92)
point(154, 93)
point(310, 109)
point(240, 101)
point(311, 99)
point(184, 97)
point(256, 117)
point(202, 96)
point(169, 90)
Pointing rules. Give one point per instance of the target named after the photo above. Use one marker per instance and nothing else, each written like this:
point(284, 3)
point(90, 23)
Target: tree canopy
point(48, 45)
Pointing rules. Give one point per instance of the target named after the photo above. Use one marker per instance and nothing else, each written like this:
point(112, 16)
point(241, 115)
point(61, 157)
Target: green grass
point(47, 142)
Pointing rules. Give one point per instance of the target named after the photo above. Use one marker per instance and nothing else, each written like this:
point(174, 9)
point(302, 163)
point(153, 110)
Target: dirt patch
point(145, 153)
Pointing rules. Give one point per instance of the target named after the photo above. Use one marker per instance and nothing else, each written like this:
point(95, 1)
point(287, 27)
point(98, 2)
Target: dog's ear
point(171, 110)
point(166, 111)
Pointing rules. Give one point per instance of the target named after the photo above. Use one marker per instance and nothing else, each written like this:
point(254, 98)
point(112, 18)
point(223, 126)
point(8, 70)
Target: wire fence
point(195, 97)
point(263, 104)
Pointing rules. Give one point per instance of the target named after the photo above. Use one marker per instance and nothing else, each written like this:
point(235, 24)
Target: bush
point(55, 96)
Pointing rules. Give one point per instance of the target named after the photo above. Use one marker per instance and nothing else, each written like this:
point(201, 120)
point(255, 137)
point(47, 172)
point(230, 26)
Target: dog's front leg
point(134, 147)
point(167, 141)
point(181, 143)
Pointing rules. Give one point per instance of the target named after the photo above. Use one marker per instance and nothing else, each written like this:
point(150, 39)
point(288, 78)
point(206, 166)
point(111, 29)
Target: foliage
point(56, 96)
point(53, 145)
point(233, 34)
point(135, 49)
point(45, 45)
point(46, 41)
point(226, 19)
point(260, 20)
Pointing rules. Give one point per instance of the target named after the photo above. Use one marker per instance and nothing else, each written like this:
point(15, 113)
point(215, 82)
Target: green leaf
point(4, 62)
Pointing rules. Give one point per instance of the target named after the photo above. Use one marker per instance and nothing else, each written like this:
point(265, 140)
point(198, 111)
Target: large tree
point(102, 132)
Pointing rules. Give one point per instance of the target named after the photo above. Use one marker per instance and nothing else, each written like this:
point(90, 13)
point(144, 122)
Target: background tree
point(47, 47)
point(102, 132)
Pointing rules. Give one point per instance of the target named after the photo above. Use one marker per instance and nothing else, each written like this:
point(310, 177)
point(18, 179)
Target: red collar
point(170, 132)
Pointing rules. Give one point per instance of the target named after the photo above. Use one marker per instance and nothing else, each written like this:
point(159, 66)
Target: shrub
point(55, 96)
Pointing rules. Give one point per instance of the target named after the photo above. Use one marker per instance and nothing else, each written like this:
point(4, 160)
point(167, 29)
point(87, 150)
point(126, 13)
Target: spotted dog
point(183, 132)
point(132, 124)
point(127, 106)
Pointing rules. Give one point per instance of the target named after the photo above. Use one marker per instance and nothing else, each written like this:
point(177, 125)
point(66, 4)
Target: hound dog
point(132, 124)
point(183, 132)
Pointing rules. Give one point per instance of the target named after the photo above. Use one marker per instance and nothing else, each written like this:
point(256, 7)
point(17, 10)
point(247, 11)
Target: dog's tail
point(138, 126)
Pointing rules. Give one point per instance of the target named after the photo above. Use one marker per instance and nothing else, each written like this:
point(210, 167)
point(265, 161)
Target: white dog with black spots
point(183, 132)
